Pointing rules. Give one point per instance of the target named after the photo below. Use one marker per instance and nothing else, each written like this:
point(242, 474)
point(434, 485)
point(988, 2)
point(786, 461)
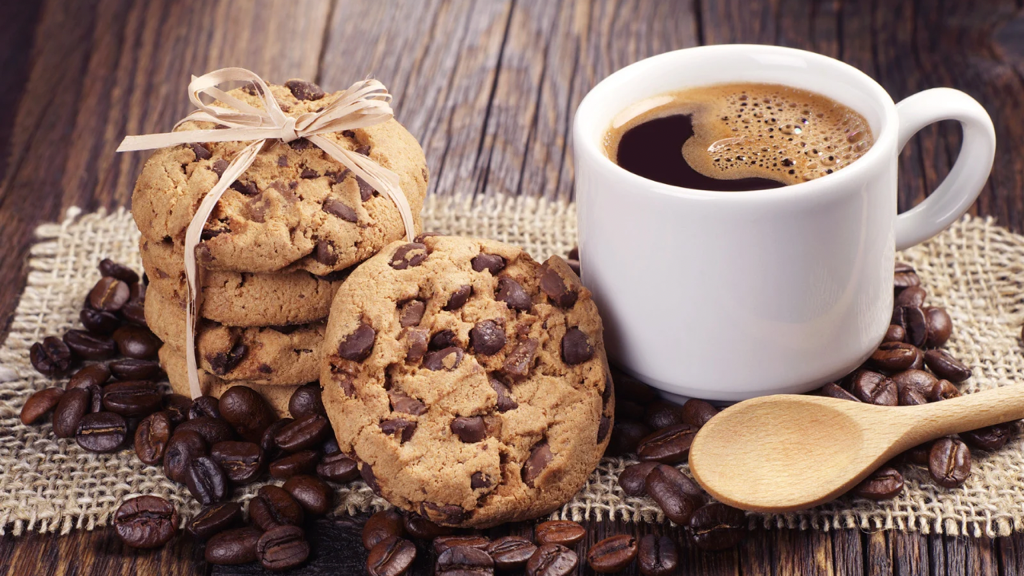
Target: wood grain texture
point(489, 87)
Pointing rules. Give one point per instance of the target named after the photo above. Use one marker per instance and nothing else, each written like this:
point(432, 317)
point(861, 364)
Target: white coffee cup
point(730, 295)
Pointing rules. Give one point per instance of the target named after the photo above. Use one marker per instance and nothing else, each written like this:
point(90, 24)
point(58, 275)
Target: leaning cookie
point(243, 298)
point(269, 355)
point(173, 362)
point(295, 207)
point(469, 380)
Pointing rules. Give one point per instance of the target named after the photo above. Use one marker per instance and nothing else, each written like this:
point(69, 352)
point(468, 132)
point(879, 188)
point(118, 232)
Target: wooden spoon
point(788, 452)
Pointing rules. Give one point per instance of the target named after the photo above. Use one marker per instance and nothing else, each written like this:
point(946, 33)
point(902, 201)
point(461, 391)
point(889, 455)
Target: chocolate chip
point(246, 188)
point(442, 513)
point(358, 345)
point(405, 404)
point(490, 262)
point(424, 235)
point(469, 429)
point(417, 339)
point(408, 255)
point(576, 348)
point(201, 152)
point(223, 362)
point(219, 166)
point(459, 298)
point(540, 457)
point(518, 363)
point(442, 339)
point(411, 313)
point(479, 480)
point(399, 428)
point(308, 173)
point(553, 285)
point(282, 161)
point(300, 144)
point(603, 427)
point(445, 359)
point(340, 209)
point(505, 401)
point(513, 294)
point(487, 337)
point(304, 90)
point(324, 253)
point(365, 190)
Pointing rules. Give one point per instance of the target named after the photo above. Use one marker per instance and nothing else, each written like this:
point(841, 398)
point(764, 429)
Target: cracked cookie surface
point(295, 208)
point(243, 298)
point(279, 355)
point(469, 380)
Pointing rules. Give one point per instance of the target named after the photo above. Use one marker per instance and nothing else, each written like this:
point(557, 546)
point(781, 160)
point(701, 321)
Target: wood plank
point(878, 552)
point(18, 22)
point(804, 552)
point(848, 552)
point(909, 553)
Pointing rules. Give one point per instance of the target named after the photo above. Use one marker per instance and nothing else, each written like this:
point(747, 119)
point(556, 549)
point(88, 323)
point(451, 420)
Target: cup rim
point(863, 164)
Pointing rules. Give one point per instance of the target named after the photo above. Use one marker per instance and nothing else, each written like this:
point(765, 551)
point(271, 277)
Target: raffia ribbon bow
point(364, 104)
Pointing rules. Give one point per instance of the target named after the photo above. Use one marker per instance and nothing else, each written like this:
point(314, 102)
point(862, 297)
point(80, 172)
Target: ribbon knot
point(363, 104)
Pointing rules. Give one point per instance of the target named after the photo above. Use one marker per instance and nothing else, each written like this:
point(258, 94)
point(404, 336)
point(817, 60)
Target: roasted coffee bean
point(469, 429)
point(949, 462)
point(137, 342)
point(247, 412)
point(874, 388)
point(895, 356)
point(267, 442)
point(301, 462)
point(330, 446)
point(716, 526)
point(919, 454)
point(133, 398)
point(422, 528)
point(109, 294)
point(213, 519)
point(657, 555)
point(391, 557)
point(381, 526)
point(442, 543)
point(135, 312)
point(39, 404)
point(464, 561)
point(242, 462)
point(183, 446)
point(990, 437)
point(631, 480)
point(151, 438)
point(912, 296)
point(101, 432)
point(90, 346)
point(114, 270)
point(564, 532)
point(95, 399)
point(176, 406)
point(626, 410)
point(487, 337)
point(237, 546)
point(910, 396)
point(312, 493)
point(914, 322)
point(697, 412)
point(306, 401)
point(99, 322)
point(273, 506)
point(282, 548)
point(945, 366)
point(895, 333)
point(612, 554)
point(661, 414)
point(337, 468)
point(459, 298)
point(490, 262)
point(91, 375)
point(945, 390)
point(204, 406)
point(940, 327)
point(205, 480)
point(511, 552)
point(663, 485)
point(626, 435)
point(303, 433)
point(213, 430)
point(832, 390)
point(883, 484)
point(513, 294)
point(146, 522)
point(72, 406)
point(555, 288)
point(668, 445)
point(552, 560)
point(629, 388)
point(919, 380)
point(576, 348)
point(905, 276)
point(51, 357)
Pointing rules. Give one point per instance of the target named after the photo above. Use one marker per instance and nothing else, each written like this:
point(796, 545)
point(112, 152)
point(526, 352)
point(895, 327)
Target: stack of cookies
point(275, 249)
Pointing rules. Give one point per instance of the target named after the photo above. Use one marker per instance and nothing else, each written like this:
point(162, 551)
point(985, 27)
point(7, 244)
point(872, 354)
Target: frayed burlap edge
point(975, 269)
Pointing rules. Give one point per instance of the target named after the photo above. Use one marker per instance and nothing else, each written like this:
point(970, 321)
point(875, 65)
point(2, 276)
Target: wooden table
point(489, 88)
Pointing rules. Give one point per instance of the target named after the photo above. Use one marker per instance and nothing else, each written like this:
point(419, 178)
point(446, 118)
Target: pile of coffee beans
point(208, 444)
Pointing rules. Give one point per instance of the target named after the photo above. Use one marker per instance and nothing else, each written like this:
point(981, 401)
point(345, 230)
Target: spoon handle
point(969, 412)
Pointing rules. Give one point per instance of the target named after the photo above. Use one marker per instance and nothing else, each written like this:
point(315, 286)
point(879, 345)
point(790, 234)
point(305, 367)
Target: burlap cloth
point(975, 270)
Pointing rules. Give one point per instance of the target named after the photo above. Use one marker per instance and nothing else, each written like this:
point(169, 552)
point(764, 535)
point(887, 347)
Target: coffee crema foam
point(756, 131)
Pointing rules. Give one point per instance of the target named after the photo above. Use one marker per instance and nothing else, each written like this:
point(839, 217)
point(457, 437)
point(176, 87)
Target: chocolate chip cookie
point(295, 208)
point(243, 298)
point(279, 355)
point(173, 362)
point(469, 380)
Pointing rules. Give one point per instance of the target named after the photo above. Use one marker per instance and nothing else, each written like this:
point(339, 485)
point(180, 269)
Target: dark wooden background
point(489, 87)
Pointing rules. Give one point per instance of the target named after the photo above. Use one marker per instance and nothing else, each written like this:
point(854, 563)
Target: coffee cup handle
point(967, 177)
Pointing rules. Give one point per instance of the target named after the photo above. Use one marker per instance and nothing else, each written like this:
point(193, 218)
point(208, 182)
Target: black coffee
point(737, 137)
